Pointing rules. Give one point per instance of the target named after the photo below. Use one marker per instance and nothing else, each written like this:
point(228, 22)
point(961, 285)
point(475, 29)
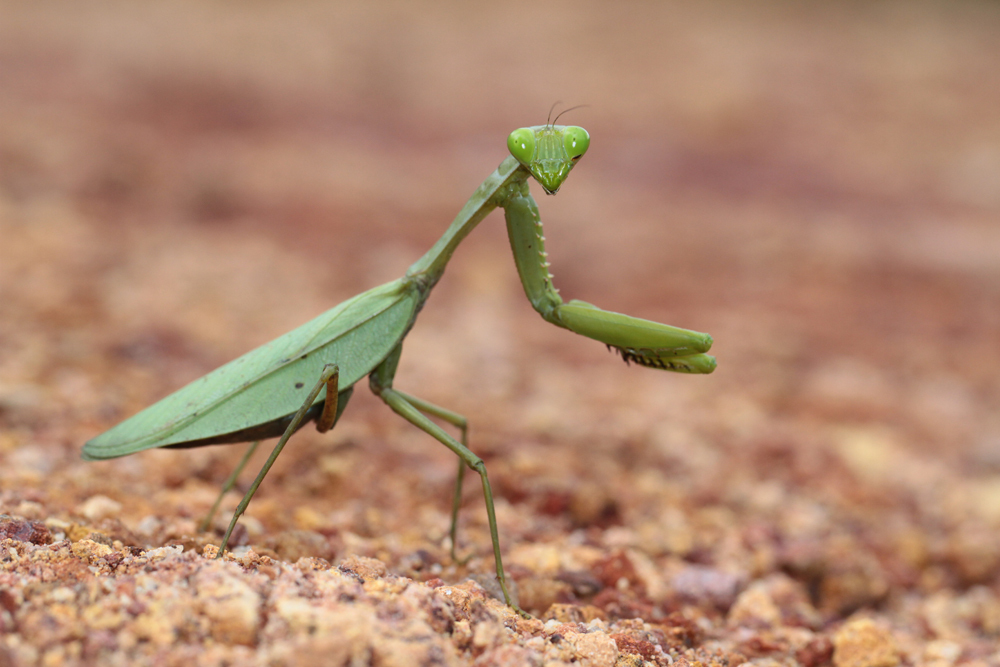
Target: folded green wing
point(272, 381)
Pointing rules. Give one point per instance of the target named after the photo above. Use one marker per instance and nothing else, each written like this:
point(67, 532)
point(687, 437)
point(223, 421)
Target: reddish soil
point(817, 185)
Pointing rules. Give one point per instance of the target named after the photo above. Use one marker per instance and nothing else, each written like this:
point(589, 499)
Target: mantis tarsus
point(309, 373)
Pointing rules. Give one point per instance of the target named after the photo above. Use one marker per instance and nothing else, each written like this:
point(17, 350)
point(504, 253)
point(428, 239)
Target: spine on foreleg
point(524, 228)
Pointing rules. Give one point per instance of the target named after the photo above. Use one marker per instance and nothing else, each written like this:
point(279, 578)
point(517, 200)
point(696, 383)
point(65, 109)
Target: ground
point(817, 185)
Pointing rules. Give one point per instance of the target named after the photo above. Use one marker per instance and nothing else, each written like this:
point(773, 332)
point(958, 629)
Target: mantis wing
point(272, 381)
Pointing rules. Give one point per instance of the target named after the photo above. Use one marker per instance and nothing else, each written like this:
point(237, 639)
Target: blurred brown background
point(815, 184)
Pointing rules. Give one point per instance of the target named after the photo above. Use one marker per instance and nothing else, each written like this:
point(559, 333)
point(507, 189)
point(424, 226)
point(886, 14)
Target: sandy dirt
point(815, 184)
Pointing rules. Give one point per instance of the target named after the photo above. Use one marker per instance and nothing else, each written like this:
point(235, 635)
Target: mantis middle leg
point(402, 404)
point(462, 424)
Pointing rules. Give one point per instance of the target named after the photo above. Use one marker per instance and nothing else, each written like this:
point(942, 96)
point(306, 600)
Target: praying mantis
point(309, 373)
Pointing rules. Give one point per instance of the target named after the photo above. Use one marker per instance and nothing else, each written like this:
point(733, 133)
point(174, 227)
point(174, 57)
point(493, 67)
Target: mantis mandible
point(309, 373)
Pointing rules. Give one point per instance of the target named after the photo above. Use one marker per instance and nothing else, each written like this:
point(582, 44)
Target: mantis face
point(549, 151)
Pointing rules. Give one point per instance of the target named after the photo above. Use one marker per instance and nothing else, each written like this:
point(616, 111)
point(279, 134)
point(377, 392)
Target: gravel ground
point(815, 184)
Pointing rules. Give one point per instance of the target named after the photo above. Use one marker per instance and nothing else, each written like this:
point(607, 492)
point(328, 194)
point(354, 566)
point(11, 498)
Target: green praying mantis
point(309, 373)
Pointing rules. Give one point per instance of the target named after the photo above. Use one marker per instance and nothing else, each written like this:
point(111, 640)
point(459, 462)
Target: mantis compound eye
point(576, 141)
point(521, 144)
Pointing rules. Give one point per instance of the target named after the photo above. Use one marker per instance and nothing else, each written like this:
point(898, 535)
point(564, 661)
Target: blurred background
point(817, 185)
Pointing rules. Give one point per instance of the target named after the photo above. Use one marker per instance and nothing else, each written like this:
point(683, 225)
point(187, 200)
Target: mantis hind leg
point(333, 407)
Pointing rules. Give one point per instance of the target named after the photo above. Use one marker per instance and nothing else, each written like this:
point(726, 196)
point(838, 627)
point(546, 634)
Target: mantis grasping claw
point(309, 373)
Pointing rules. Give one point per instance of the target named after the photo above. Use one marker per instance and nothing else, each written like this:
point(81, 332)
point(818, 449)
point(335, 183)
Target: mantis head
point(549, 152)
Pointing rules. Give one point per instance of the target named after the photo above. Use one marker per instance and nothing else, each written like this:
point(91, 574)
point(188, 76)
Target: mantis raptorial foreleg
point(462, 424)
point(641, 341)
point(329, 378)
